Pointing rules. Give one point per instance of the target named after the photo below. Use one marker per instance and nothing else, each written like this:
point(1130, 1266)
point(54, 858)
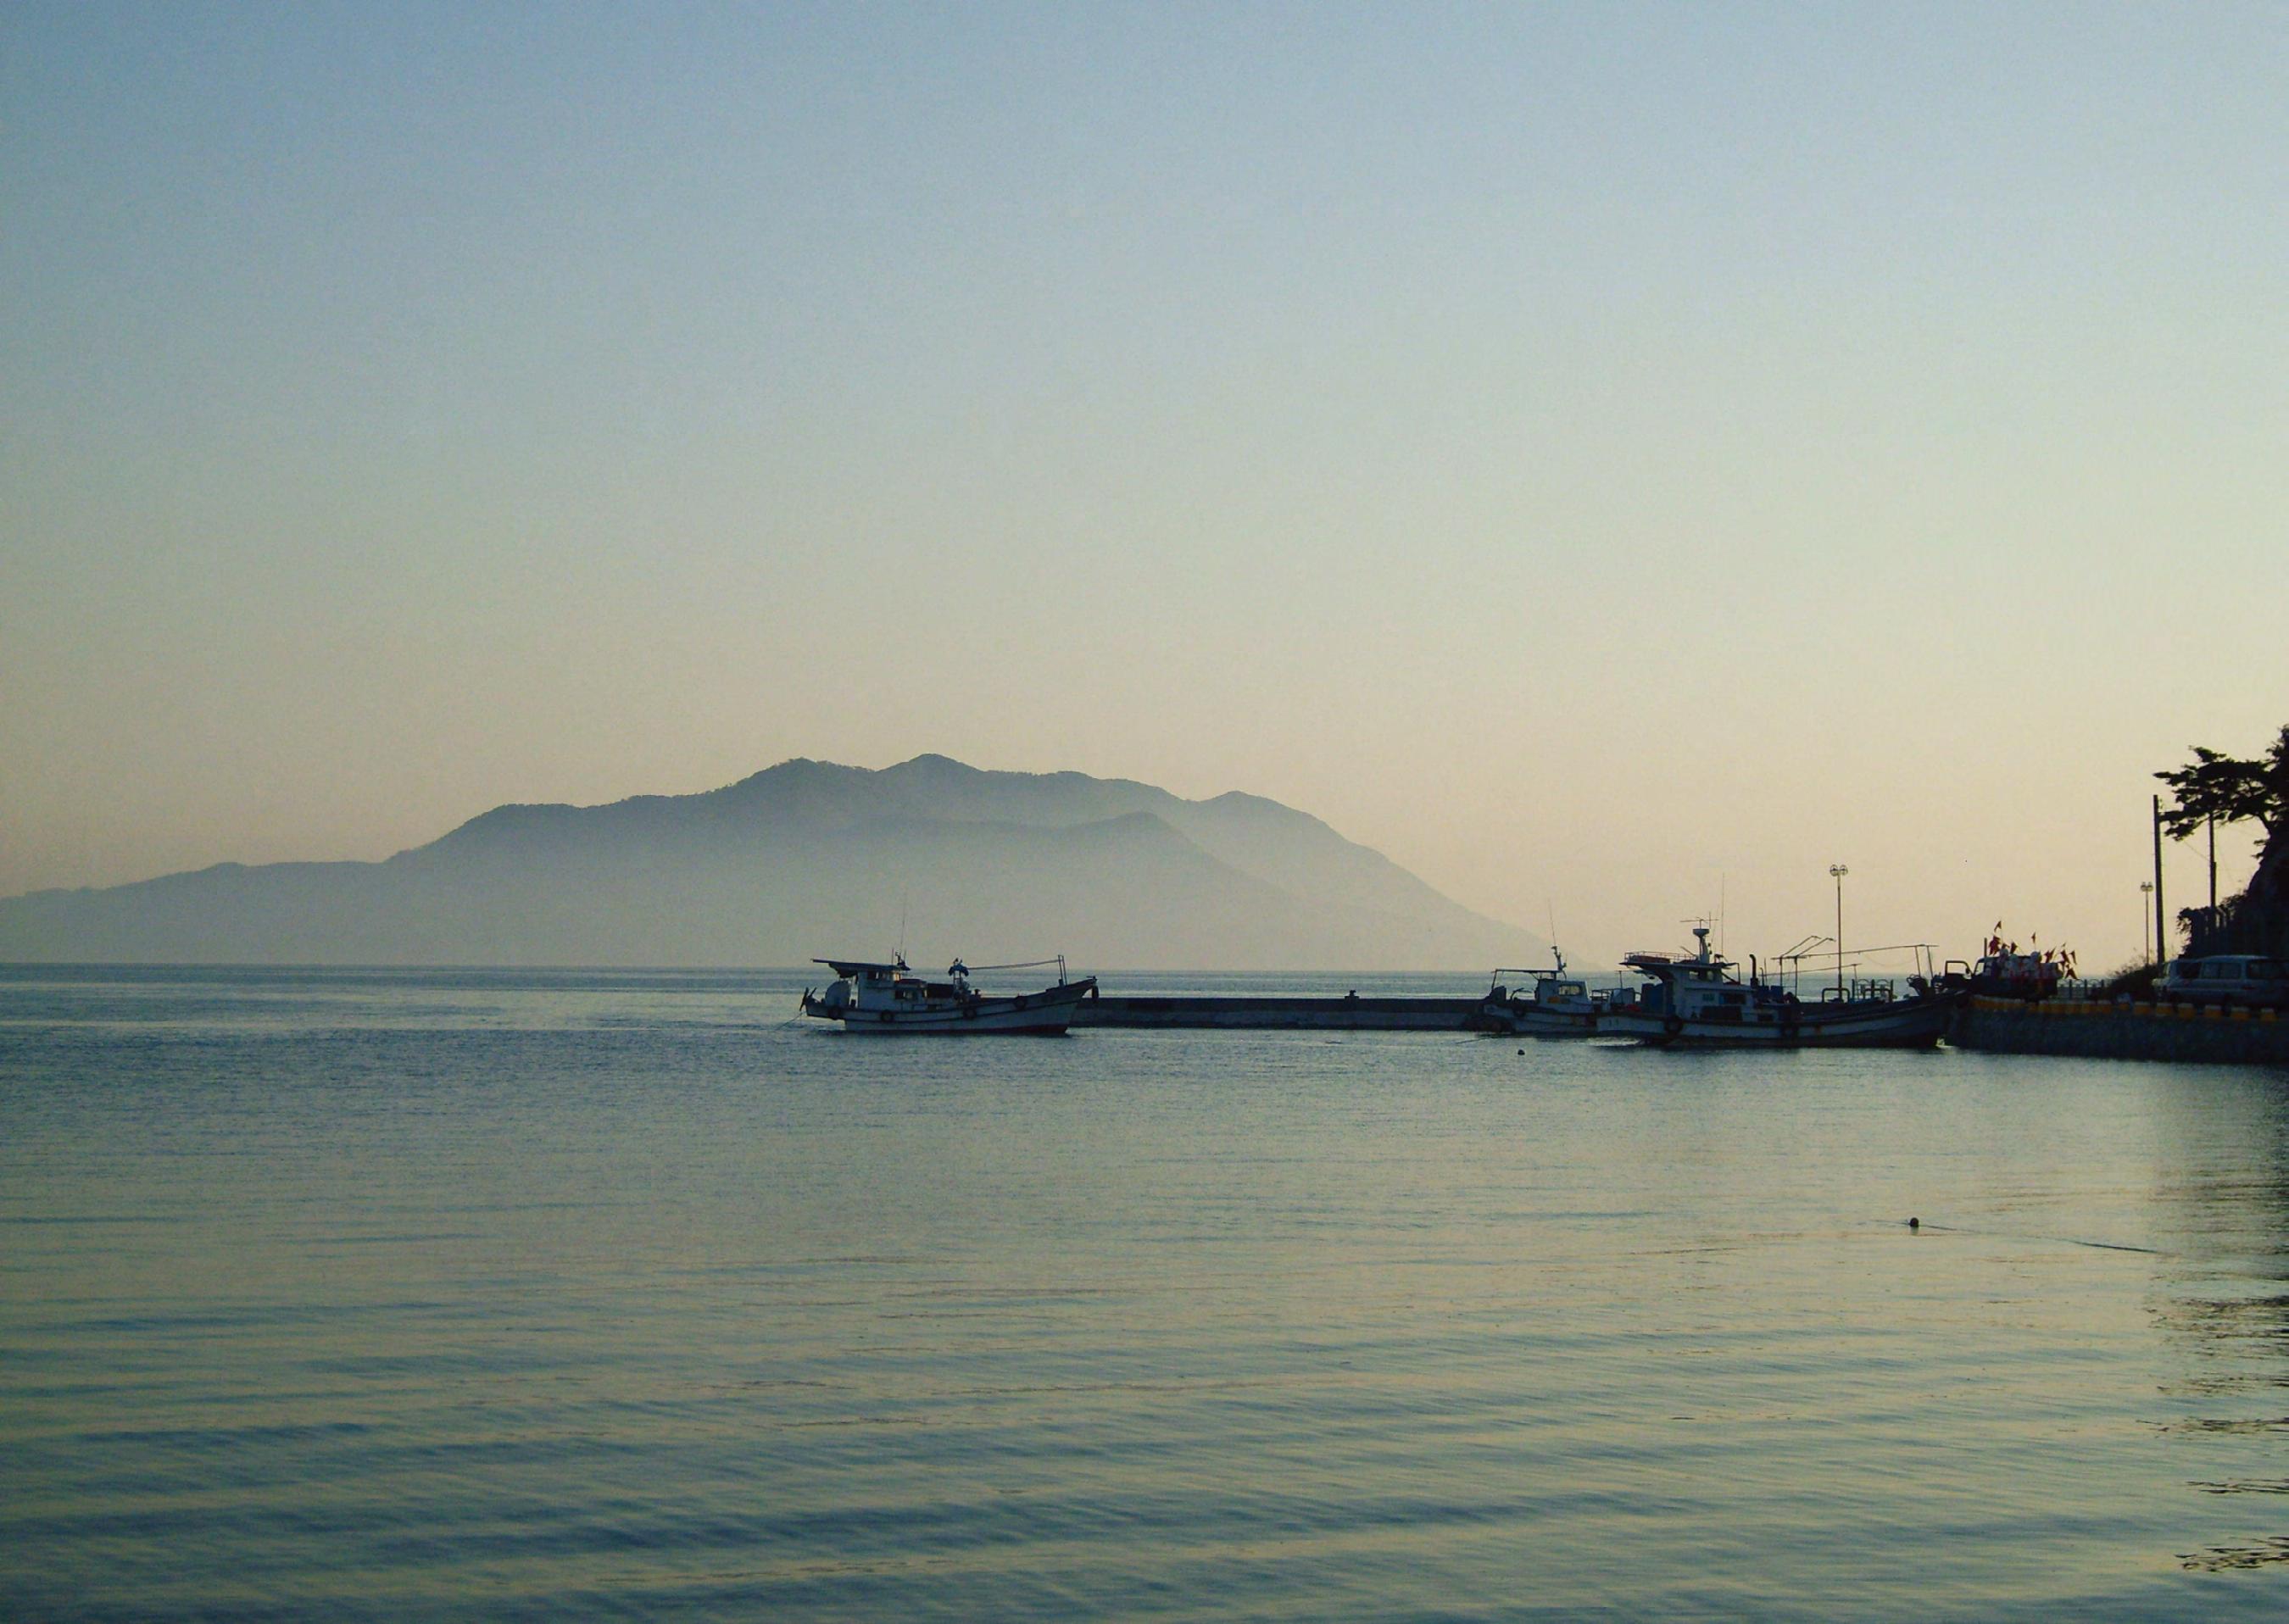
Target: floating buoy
point(1915, 1223)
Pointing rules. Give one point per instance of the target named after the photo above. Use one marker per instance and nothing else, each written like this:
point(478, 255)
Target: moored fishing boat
point(1557, 1005)
point(2003, 971)
point(890, 998)
point(1695, 1002)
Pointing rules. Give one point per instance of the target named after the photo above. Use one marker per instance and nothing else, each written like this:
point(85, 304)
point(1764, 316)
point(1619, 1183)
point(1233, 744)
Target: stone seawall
point(2120, 1031)
point(1384, 1014)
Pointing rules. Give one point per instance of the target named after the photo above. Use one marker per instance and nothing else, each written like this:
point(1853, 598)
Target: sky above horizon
point(1608, 459)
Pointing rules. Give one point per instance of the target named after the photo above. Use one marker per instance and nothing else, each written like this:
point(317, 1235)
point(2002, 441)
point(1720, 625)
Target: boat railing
point(1802, 963)
point(1029, 964)
point(1874, 990)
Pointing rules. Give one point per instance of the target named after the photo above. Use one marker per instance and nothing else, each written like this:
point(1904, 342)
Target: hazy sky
point(1599, 456)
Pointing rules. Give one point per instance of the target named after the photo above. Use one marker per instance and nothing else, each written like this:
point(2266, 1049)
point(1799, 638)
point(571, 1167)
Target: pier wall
point(2123, 1031)
point(2063, 1026)
point(1382, 1014)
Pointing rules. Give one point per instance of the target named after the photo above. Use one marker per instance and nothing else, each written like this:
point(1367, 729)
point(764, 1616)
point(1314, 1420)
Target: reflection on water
point(2219, 1558)
point(393, 1291)
point(2222, 1195)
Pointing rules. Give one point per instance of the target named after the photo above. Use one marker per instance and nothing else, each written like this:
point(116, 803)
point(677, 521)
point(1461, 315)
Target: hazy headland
point(809, 858)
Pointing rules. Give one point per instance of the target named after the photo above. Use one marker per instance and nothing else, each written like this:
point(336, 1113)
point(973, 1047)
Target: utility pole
point(2213, 822)
point(2145, 920)
point(1836, 871)
point(2161, 932)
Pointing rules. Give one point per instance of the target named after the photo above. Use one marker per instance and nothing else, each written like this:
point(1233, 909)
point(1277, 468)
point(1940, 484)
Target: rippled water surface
point(381, 1295)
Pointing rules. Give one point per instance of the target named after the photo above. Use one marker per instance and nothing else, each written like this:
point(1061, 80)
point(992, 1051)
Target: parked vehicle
point(2227, 981)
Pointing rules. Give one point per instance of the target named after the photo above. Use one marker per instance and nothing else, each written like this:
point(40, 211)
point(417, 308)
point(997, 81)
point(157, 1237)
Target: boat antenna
point(902, 925)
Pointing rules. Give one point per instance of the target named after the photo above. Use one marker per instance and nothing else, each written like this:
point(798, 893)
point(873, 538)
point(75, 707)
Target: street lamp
point(1836, 871)
point(2145, 920)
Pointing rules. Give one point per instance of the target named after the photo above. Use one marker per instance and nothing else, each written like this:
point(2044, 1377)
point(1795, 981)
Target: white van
point(2229, 981)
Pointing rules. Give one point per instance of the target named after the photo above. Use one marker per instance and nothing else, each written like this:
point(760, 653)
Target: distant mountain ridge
point(809, 858)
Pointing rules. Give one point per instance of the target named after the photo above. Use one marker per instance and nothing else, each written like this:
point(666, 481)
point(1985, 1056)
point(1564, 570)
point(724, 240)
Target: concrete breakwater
point(1349, 1014)
point(2123, 1031)
point(2061, 1026)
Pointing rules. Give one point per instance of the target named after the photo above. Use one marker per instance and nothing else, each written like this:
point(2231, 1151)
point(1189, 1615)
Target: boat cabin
point(1701, 989)
point(1553, 989)
point(893, 986)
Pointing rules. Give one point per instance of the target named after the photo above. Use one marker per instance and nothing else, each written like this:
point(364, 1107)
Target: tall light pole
point(2145, 920)
point(1836, 871)
point(2161, 918)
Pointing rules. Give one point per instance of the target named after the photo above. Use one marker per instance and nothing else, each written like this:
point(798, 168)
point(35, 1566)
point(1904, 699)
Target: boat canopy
point(846, 967)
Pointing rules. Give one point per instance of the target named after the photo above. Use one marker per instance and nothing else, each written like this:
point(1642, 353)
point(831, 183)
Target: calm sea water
point(390, 1294)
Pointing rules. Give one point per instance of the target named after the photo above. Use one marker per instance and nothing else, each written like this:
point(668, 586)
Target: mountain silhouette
point(809, 858)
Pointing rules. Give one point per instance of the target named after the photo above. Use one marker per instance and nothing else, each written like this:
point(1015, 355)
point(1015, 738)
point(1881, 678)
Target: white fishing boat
point(890, 998)
point(1556, 1006)
point(1695, 1002)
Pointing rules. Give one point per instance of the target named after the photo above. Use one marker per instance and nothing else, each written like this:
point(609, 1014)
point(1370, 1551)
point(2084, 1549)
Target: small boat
point(2005, 972)
point(1557, 1005)
point(890, 998)
point(1695, 1002)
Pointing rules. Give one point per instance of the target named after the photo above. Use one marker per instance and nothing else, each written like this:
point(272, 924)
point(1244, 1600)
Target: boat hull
point(1526, 1021)
point(1041, 1015)
point(1908, 1024)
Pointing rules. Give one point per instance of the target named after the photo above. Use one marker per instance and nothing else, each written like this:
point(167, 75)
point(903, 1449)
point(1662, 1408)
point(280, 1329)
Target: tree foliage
point(2228, 788)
